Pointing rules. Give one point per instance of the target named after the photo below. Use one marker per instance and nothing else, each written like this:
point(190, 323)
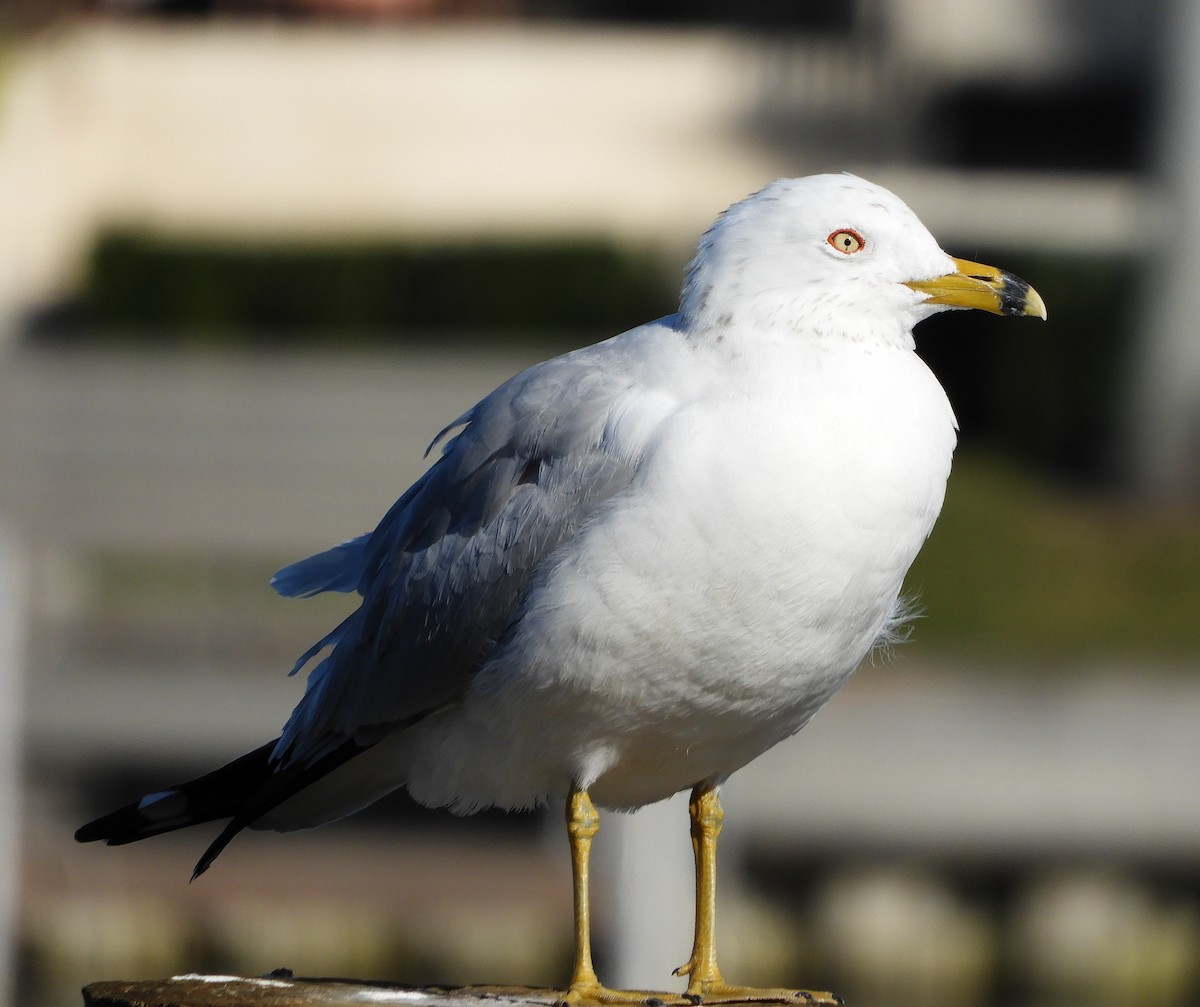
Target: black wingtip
point(217, 846)
point(125, 825)
point(88, 833)
point(241, 791)
point(97, 832)
point(223, 793)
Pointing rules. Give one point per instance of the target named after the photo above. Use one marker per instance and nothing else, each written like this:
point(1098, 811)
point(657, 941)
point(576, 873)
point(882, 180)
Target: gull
point(636, 567)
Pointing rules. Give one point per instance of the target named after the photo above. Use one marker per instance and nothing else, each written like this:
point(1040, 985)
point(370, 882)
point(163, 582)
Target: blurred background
point(255, 253)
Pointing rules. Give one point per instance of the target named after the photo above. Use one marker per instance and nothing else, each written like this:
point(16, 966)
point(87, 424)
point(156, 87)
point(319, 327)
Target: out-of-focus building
point(1004, 125)
point(1009, 121)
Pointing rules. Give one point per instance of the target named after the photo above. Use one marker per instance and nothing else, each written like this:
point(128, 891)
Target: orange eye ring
point(847, 241)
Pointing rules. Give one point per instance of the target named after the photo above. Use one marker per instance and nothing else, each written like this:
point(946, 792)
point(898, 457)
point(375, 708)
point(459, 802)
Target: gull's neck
point(799, 315)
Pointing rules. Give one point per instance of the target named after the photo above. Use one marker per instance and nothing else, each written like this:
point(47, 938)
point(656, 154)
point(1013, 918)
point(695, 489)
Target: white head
point(832, 255)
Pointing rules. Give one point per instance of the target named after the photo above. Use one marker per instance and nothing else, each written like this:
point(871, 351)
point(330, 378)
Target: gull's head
point(834, 255)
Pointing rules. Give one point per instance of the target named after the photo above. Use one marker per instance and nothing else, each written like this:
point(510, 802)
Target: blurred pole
point(12, 611)
point(1164, 451)
point(653, 908)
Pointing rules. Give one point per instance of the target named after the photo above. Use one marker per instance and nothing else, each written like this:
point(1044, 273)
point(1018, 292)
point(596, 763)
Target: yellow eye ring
point(847, 241)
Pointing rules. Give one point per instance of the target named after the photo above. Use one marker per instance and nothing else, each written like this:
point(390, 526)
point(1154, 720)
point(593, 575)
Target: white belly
point(712, 609)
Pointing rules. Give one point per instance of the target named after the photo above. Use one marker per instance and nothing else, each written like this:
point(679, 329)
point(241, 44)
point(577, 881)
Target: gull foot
point(712, 993)
point(589, 994)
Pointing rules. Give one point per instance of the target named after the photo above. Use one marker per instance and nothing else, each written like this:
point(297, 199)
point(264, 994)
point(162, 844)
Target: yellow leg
point(586, 989)
point(583, 823)
point(707, 816)
point(705, 983)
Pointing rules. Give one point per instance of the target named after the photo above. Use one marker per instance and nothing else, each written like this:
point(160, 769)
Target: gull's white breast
point(709, 610)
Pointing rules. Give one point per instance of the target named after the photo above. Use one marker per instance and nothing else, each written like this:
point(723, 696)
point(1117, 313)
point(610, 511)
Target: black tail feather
point(275, 789)
point(219, 794)
point(243, 791)
point(213, 850)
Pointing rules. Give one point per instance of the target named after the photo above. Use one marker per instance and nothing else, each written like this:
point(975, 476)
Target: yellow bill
point(974, 285)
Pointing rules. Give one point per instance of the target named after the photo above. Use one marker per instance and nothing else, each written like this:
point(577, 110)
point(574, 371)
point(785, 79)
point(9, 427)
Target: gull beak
point(974, 285)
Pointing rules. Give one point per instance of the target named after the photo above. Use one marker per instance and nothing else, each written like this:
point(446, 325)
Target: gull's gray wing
point(337, 569)
point(448, 566)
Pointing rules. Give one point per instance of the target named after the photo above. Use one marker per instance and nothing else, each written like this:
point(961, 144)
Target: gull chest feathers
point(747, 570)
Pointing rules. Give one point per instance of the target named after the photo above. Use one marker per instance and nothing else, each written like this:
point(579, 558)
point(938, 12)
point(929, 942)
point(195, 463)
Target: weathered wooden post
point(283, 990)
point(12, 626)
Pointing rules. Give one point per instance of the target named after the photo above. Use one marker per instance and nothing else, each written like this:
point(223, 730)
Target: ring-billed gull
point(636, 567)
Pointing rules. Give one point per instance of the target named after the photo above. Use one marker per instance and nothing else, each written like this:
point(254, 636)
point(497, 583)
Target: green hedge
point(227, 291)
point(1026, 569)
point(1051, 392)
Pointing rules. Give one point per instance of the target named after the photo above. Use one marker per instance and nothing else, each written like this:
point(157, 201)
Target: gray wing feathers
point(446, 569)
point(336, 569)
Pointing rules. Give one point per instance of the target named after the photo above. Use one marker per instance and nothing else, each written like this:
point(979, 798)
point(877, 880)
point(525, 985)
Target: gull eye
point(847, 241)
